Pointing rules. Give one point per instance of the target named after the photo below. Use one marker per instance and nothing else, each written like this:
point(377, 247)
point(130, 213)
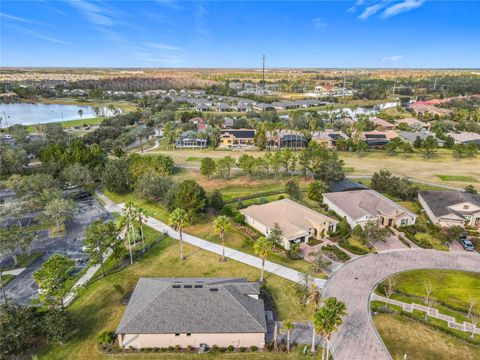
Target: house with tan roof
point(299, 223)
point(464, 137)
point(382, 123)
point(414, 123)
point(329, 138)
point(361, 206)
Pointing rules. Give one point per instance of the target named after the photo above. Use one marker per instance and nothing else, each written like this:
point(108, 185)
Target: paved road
point(254, 261)
point(354, 282)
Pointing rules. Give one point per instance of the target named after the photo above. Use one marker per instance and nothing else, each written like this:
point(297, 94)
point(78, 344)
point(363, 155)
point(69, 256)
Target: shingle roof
point(439, 200)
point(294, 219)
point(346, 185)
point(193, 305)
point(240, 134)
point(360, 203)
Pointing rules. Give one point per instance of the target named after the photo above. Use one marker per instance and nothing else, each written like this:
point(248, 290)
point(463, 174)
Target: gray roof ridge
point(229, 288)
point(146, 303)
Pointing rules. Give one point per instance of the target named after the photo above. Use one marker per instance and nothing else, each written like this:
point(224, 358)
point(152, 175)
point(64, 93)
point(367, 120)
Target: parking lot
point(23, 288)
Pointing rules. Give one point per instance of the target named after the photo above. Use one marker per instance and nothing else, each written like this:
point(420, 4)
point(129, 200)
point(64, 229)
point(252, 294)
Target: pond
point(30, 114)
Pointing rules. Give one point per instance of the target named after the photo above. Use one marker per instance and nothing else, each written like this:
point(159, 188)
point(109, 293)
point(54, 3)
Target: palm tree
point(140, 217)
point(80, 113)
point(222, 225)
point(126, 223)
point(326, 321)
point(262, 248)
point(178, 220)
point(314, 295)
point(289, 326)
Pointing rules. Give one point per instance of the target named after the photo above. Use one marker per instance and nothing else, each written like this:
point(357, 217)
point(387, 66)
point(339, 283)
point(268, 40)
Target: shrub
point(262, 201)
point(336, 253)
point(253, 348)
point(222, 349)
point(106, 338)
point(240, 205)
point(177, 348)
point(243, 349)
point(281, 197)
point(239, 218)
point(214, 349)
point(230, 348)
point(227, 210)
point(352, 248)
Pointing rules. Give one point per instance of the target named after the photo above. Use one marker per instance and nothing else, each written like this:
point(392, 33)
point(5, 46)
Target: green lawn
point(402, 335)
point(98, 307)
point(457, 178)
point(6, 279)
point(451, 288)
point(204, 228)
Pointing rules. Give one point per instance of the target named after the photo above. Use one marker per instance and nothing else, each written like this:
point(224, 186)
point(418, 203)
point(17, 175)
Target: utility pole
point(435, 84)
point(263, 71)
point(344, 82)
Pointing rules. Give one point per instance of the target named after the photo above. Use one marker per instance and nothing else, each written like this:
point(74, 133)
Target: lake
point(30, 114)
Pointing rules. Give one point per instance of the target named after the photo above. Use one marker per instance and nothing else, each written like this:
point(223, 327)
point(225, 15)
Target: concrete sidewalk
point(230, 253)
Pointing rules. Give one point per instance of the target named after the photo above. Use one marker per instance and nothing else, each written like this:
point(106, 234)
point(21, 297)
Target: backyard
point(98, 307)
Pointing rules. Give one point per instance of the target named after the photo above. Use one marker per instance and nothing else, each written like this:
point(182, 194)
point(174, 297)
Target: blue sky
point(164, 33)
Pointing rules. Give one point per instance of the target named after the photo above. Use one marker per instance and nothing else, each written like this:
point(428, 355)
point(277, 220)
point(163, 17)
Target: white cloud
point(319, 23)
point(392, 58)
point(402, 7)
point(159, 60)
point(93, 12)
point(19, 19)
point(370, 10)
point(200, 22)
point(36, 34)
point(164, 47)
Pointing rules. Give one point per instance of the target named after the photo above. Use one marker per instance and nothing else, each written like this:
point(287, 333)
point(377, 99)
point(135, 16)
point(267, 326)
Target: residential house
point(263, 107)
point(187, 312)
point(423, 107)
point(329, 138)
point(360, 206)
point(414, 123)
point(383, 124)
point(375, 138)
point(191, 140)
point(411, 136)
point(449, 208)
point(298, 223)
point(346, 185)
point(237, 139)
point(465, 137)
point(286, 139)
point(228, 122)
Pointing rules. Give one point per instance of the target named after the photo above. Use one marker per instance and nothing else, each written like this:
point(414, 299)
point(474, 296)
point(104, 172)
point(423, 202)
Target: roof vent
point(187, 286)
point(198, 286)
point(176, 286)
point(213, 289)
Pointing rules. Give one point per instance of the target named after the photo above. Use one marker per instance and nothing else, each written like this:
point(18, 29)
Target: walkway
point(13, 272)
point(250, 260)
point(431, 312)
point(354, 282)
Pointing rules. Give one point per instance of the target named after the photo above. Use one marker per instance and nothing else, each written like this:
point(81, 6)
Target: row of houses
point(199, 312)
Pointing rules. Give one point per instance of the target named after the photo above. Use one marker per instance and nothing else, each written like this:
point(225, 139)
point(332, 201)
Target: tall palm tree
point(126, 223)
point(326, 321)
point(140, 215)
point(178, 220)
point(314, 295)
point(289, 326)
point(222, 225)
point(262, 248)
point(80, 113)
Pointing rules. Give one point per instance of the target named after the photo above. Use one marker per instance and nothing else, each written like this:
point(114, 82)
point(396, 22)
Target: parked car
point(467, 244)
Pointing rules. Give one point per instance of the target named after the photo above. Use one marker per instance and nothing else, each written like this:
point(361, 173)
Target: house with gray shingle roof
point(449, 208)
point(361, 206)
point(165, 312)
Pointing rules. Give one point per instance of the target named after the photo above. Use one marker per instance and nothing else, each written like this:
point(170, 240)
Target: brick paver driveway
point(353, 283)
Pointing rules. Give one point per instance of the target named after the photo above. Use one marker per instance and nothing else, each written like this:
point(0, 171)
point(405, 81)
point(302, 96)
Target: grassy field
point(451, 288)
point(411, 165)
point(469, 179)
point(403, 336)
point(98, 307)
point(205, 229)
